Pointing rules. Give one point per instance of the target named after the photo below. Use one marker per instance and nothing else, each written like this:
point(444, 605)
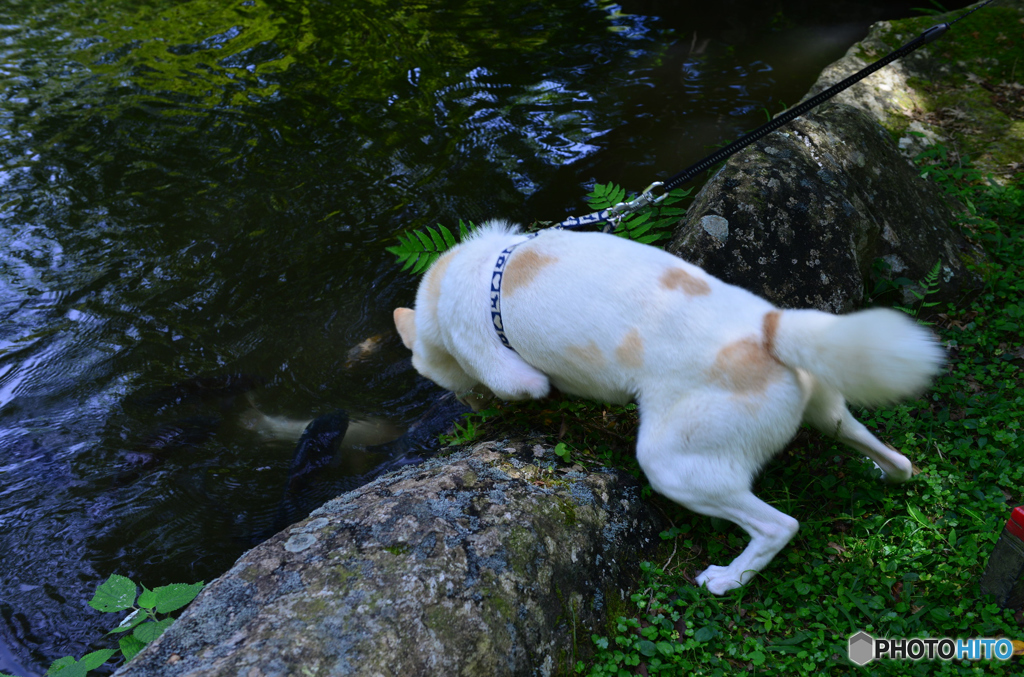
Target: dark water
point(195, 197)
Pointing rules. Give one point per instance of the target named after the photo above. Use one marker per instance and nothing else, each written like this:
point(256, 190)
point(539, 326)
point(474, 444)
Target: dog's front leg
point(505, 374)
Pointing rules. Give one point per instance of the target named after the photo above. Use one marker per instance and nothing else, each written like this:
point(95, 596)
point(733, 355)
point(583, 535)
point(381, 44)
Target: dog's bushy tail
point(872, 357)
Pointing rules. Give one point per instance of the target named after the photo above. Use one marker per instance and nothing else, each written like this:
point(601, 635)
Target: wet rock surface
point(491, 561)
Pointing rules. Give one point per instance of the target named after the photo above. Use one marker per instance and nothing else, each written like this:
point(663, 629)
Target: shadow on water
point(195, 197)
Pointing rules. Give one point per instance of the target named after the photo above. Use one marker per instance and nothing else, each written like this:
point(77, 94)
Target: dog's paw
point(898, 474)
point(521, 386)
point(718, 580)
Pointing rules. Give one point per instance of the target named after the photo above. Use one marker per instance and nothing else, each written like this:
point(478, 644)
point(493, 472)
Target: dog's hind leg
point(693, 464)
point(769, 529)
point(826, 410)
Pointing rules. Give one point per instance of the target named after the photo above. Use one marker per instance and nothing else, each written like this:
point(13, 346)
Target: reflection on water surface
point(195, 197)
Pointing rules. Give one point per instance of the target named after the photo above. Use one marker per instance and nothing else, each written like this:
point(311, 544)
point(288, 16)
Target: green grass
point(894, 561)
point(899, 561)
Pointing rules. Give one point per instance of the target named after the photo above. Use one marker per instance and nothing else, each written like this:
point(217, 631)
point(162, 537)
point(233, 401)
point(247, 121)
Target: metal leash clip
point(621, 210)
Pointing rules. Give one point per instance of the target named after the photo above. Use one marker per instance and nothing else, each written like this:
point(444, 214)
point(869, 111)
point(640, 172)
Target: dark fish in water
point(317, 448)
point(359, 450)
point(192, 412)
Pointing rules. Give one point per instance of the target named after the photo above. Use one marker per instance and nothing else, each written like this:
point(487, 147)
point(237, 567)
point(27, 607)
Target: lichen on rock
point(810, 208)
point(490, 561)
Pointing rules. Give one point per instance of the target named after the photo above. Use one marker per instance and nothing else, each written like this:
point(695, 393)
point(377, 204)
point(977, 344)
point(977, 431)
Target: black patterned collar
point(499, 272)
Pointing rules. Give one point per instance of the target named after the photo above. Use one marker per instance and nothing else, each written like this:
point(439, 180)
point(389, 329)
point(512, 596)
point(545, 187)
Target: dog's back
point(608, 318)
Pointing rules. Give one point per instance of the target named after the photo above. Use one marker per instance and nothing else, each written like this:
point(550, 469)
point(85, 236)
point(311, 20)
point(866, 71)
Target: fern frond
point(417, 250)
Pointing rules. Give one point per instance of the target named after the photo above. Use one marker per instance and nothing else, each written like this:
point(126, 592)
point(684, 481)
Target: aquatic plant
point(147, 621)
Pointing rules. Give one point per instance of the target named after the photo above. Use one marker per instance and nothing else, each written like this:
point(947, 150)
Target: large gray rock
point(493, 561)
point(806, 216)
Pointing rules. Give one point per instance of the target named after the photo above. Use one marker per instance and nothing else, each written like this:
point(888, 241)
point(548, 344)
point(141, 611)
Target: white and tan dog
point(721, 377)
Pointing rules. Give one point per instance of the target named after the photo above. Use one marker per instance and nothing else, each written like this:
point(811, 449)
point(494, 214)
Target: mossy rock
point(492, 561)
point(804, 216)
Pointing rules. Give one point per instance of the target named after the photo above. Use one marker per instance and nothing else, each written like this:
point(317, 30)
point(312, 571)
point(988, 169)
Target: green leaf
point(427, 242)
point(117, 593)
point(175, 596)
point(449, 239)
point(130, 646)
point(69, 667)
point(436, 237)
point(147, 600)
point(60, 664)
point(423, 263)
point(130, 622)
point(704, 634)
point(919, 516)
point(147, 632)
point(410, 261)
point(647, 648)
point(93, 660)
point(666, 648)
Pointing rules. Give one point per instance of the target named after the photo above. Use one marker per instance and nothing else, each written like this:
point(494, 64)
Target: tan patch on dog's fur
point(769, 327)
point(745, 367)
point(434, 278)
point(630, 353)
point(677, 278)
point(589, 355)
point(522, 268)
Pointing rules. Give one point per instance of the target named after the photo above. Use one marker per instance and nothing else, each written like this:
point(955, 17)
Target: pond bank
point(271, 568)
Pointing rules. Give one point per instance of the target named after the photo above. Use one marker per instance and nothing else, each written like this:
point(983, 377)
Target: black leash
point(616, 213)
